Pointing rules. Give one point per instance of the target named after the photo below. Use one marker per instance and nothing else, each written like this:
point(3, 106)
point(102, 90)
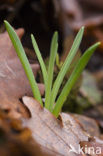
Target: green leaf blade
point(24, 61)
point(65, 66)
point(53, 52)
point(74, 76)
point(38, 54)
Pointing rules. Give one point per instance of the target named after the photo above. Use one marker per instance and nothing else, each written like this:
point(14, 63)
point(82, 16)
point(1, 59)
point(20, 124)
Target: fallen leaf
point(51, 133)
point(58, 135)
point(17, 140)
point(13, 81)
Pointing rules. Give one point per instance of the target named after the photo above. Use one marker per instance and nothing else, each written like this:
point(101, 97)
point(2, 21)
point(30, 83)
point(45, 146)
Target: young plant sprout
point(52, 103)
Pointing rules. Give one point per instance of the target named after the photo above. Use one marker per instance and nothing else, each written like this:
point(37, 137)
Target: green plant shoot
point(51, 90)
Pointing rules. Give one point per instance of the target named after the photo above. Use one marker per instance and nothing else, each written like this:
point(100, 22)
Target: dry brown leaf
point(13, 81)
point(16, 140)
point(51, 133)
point(57, 135)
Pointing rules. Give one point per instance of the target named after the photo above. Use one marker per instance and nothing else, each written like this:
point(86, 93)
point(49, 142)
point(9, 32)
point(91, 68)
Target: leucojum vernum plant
point(52, 102)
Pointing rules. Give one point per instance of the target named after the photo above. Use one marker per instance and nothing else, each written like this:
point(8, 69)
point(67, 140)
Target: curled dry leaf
point(13, 81)
point(17, 140)
point(51, 133)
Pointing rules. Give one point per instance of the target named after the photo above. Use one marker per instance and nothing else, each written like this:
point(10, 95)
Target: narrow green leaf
point(38, 54)
point(53, 52)
point(25, 63)
point(73, 78)
point(65, 67)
